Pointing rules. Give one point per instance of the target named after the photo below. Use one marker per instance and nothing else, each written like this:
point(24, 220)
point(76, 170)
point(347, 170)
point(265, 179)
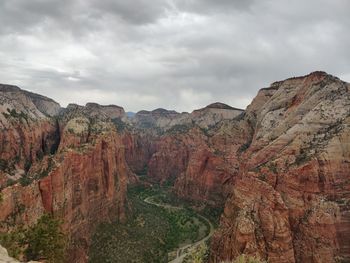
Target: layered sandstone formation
point(186, 150)
point(200, 164)
point(27, 131)
point(163, 120)
point(281, 167)
point(72, 166)
point(290, 202)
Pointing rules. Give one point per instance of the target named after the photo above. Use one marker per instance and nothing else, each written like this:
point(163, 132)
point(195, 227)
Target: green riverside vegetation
point(150, 234)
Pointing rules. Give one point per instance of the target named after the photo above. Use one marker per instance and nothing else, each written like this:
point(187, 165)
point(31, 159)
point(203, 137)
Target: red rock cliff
point(84, 181)
point(290, 202)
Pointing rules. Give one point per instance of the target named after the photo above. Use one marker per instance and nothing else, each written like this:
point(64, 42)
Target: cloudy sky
point(176, 54)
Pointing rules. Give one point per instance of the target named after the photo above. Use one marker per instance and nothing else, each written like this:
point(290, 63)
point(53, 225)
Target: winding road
point(183, 251)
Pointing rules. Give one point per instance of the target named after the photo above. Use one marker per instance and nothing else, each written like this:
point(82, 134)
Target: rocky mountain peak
point(219, 105)
point(163, 111)
point(160, 112)
point(20, 105)
point(315, 76)
point(9, 88)
point(97, 110)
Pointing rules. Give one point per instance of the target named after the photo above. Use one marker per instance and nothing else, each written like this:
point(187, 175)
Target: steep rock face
point(204, 178)
point(84, 181)
point(212, 163)
point(186, 153)
point(170, 159)
point(159, 118)
point(27, 131)
point(89, 186)
point(290, 202)
point(139, 148)
point(213, 114)
point(185, 160)
point(282, 167)
point(22, 145)
point(201, 166)
point(34, 105)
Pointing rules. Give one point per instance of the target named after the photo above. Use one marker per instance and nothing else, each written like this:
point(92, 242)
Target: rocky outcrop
point(290, 202)
point(191, 152)
point(35, 105)
point(83, 181)
point(162, 120)
point(5, 258)
point(27, 131)
point(88, 187)
point(201, 164)
point(213, 114)
point(102, 112)
point(139, 148)
point(156, 121)
point(281, 167)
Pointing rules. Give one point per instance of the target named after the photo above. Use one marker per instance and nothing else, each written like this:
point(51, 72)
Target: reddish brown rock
point(199, 164)
point(84, 182)
point(139, 148)
point(293, 186)
point(88, 186)
point(22, 144)
point(282, 167)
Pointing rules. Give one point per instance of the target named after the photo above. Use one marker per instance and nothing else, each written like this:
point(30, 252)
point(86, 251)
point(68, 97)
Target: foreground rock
point(5, 258)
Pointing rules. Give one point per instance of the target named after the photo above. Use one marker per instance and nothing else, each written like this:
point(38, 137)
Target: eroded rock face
point(290, 202)
point(210, 166)
point(162, 120)
point(27, 131)
point(34, 105)
point(186, 153)
point(281, 167)
point(102, 112)
point(139, 148)
point(88, 187)
point(83, 181)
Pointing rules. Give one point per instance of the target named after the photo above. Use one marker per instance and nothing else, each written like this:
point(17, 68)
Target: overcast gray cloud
point(178, 54)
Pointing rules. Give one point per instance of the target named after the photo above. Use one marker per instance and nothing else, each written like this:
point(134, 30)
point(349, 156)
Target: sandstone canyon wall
point(290, 202)
point(72, 166)
point(281, 168)
point(192, 151)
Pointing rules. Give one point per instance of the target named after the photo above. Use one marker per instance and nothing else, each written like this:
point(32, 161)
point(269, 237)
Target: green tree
point(45, 240)
point(197, 255)
point(14, 242)
point(42, 241)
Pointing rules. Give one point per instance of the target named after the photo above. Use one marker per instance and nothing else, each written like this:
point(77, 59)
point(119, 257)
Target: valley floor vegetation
point(150, 234)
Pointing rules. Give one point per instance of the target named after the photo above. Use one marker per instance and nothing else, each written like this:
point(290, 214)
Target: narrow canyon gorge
point(279, 170)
